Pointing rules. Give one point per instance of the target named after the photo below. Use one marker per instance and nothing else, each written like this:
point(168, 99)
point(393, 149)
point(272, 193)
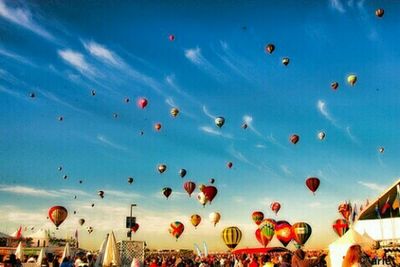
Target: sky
point(216, 66)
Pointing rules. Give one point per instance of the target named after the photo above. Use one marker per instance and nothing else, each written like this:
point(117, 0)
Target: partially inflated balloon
point(195, 219)
point(261, 238)
point(340, 226)
point(352, 79)
point(312, 184)
point(301, 232)
point(189, 186)
point(283, 231)
point(257, 217)
point(57, 215)
point(219, 121)
point(231, 236)
point(214, 217)
point(176, 229)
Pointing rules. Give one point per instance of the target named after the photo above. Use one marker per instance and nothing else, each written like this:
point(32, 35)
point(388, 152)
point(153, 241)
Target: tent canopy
point(259, 250)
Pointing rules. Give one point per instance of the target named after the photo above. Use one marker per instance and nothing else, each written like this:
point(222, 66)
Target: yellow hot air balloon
point(195, 219)
point(352, 79)
point(214, 217)
point(231, 236)
point(174, 112)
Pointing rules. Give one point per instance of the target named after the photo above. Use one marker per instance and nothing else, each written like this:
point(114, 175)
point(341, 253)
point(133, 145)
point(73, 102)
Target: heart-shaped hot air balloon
point(261, 238)
point(340, 226)
point(135, 227)
point(210, 192)
point(312, 184)
point(275, 207)
point(231, 236)
point(57, 214)
point(189, 186)
point(301, 232)
point(267, 228)
point(257, 217)
point(195, 219)
point(283, 231)
point(176, 229)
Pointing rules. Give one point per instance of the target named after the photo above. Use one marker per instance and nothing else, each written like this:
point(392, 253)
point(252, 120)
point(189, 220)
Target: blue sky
point(216, 66)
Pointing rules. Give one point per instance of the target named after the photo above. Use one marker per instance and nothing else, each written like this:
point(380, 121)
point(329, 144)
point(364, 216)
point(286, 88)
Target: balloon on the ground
point(352, 79)
point(270, 48)
point(261, 238)
point(312, 184)
point(162, 168)
point(340, 226)
point(176, 229)
point(219, 121)
point(257, 217)
point(214, 217)
point(294, 138)
point(301, 232)
point(57, 214)
point(231, 236)
point(167, 192)
point(195, 219)
point(189, 186)
point(283, 231)
point(275, 207)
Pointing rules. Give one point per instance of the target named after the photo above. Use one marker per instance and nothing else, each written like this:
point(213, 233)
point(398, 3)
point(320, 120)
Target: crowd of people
point(50, 260)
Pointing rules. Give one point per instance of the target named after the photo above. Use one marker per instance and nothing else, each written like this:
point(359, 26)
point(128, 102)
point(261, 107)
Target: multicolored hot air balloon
point(142, 103)
point(176, 229)
point(167, 192)
point(275, 207)
point(334, 85)
point(294, 138)
point(214, 217)
point(161, 168)
point(261, 238)
point(189, 186)
point(381, 149)
point(345, 209)
point(312, 184)
point(283, 231)
point(57, 214)
point(352, 79)
point(301, 232)
point(269, 48)
point(201, 197)
point(257, 217)
point(219, 121)
point(174, 112)
point(340, 226)
point(379, 12)
point(285, 61)
point(321, 136)
point(267, 228)
point(231, 236)
point(195, 219)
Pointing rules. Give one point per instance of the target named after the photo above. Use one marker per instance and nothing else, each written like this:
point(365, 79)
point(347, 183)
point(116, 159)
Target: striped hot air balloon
point(231, 236)
point(301, 232)
point(189, 187)
point(57, 215)
point(261, 238)
point(312, 184)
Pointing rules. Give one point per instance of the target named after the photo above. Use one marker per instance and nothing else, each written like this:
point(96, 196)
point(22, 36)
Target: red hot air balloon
point(176, 229)
point(261, 238)
point(210, 192)
point(275, 207)
point(345, 209)
point(189, 187)
point(57, 214)
point(294, 138)
point(135, 227)
point(312, 184)
point(257, 217)
point(283, 231)
point(157, 126)
point(229, 165)
point(142, 102)
point(340, 226)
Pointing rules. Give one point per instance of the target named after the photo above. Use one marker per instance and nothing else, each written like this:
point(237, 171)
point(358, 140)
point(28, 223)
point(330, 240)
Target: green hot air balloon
point(267, 228)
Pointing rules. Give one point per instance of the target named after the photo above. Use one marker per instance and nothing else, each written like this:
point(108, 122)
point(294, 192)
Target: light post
point(130, 236)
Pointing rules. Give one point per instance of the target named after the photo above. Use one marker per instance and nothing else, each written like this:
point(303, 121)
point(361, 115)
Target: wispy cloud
point(104, 140)
point(373, 186)
point(23, 18)
point(249, 122)
point(233, 61)
point(238, 155)
point(350, 134)
point(195, 56)
point(11, 92)
point(271, 138)
point(209, 130)
point(286, 170)
point(170, 102)
point(337, 5)
point(122, 194)
point(57, 100)
point(29, 191)
point(16, 57)
point(77, 60)
point(260, 146)
point(207, 113)
point(102, 53)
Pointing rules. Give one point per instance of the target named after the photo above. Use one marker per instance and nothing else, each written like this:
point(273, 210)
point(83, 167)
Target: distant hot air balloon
point(174, 112)
point(89, 229)
point(65, 176)
point(214, 217)
point(301, 232)
point(81, 221)
point(229, 165)
point(275, 207)
point(352, 79)
point(80, 181)
point(60, 118)
point(334, 85)
point(340, 226)
point(261, 238)
point(167, 191)
point(231, 236)
point(93, 92)
point(257, 217)
point(92, 205)
point(189, 186)
point(162, 168)
point(176, 229)
point(381, 149)
point(294, 138)
point(345, 209)
point(130, 180)
point(285, 61)
point(267, 228)
point(312, 184)
point(379, 12)
point(269, 48)
point(210, 192)
point(283, 231)
point(142, 102)
point(201, 197)
point(60, 168)
point(212, 180)
point(101, 193)
point(195, 219)
point(157, 126)
point(32, 95)
point(244, 126)
point(219, 121)
point(135, 227)
point(57, 214)
point(171, 37)
point(321, 135)
point(127, 100)
point(182, 173)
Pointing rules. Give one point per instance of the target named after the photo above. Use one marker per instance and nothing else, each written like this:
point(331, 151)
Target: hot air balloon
point(267, 228)
point(312, 184)
point(174, 112)
point(261, 238)
point(135, 227)
point(334, 85)
point(189, 187)
point(283, 231)
point(81, 221)
point(60, 168)
point(74, 213)
point(301, 232)
point(182, 173)
point(32, 95)
point(127, 100)
point(171, 37)
point(345, 209)
point(57, 214)
point(89, 229)
point(176, 229)
point(285, 61)
point(157, 126)
point(93, 92)
point(257, 217)
point(340, 227)
point(65, 176)
point(214, 217)
point(321, 135)
point(195, 219)
point(162, 168)
point(270, 48)
point(379, 12)
point(219, 121)
point(92, 205)
point(201, 187)
point(294, 138)
point(167, 191)
point(210, 192)
point(244, 126)
point(101, 193)
point(275, 207)
point(212, 180)
point(130, 180)
point(201, 197)
point(142, 103)
point(80, 181)
point(352, 79)
point(381, 149)
point(60, 118)
point(231, 236)
point(229, 165)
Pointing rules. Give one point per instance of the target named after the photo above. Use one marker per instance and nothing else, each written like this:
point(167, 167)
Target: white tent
point(111, 255)
point(40, 258)
point(102, 250)
point(19, 253)
point(66, 252)
point(338, 249)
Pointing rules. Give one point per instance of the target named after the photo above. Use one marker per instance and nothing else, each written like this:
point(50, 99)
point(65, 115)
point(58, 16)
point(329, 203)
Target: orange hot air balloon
point(157, 126)
point(312, 184)
point(257, 217)
point(283, 231)
point(57, 215)
point(142, 103)
point(195, 219)
point(294, 138)
point(275, 207)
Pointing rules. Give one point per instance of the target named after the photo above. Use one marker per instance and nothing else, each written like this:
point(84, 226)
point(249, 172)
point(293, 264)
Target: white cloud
point(195, 56)
point(322, 108)
point(314, 204)
point(373, 186)
point(101, 52)
point(337, 5)
point(23, 18)
point(249, 121)
point(208, 114)
point(103, 139)
point(350, 134)
point(238, 155)
point(11, 92)
point(29, 191)
point(16, 57)
point(209, 130)
point(170, 102)
point(286, 170)
point(260, 146)
point(77, 60)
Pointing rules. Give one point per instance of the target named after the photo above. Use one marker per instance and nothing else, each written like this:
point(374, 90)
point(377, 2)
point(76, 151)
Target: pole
point(132, 205)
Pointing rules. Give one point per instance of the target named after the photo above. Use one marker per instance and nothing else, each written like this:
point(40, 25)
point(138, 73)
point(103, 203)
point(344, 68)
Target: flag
point(354, 214)
point(385, 206)
point(396, 202)
point(18, 234)
point(361, 208)
point(378, 215)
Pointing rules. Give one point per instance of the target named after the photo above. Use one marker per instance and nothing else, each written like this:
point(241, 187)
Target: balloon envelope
point(231, 236)
point(195, 219)
point(182, 173)
point(257, 217)
point(142, 102)
point(283, 231)
point(214, 217)
point(275, 207)
point(352, 79)
point(162, 168)
point(210, 192)
point(270, 48)
point(57, 215)
point(312, 183)
point(340, 226)
point(189, 186)
point(267, 228)
point(261, 238)
point(167, 191)
point(301, 232)
point(219, 121)
point(294, 138)
point(176, 229)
